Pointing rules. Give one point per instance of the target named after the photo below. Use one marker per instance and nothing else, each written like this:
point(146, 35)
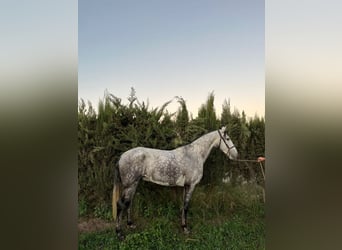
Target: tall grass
point(220, 217)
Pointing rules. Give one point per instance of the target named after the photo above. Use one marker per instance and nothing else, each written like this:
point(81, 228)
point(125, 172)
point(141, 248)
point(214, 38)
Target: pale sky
point(174, 48)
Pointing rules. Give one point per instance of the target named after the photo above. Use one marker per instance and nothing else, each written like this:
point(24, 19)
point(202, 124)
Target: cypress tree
point(182, 120)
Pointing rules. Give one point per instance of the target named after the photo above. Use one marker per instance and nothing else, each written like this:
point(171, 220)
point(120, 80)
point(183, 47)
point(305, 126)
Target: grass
point(222, 217)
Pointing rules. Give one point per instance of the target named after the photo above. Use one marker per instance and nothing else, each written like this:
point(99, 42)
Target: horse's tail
point(116, 190)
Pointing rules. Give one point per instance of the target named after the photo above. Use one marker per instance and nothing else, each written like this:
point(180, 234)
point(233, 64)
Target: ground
point(88, 225)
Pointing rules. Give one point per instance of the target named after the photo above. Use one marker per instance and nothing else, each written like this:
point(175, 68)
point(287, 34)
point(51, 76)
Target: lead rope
point(261, 166)
point(263, 174)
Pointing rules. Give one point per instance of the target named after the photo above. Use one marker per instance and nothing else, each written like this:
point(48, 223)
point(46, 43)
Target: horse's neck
point(205, 144)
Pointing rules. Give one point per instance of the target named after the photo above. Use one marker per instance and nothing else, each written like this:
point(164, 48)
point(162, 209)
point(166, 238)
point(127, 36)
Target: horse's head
point(226, 145)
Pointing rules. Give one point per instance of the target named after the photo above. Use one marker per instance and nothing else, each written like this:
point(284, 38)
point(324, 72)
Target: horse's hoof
point(186, 230)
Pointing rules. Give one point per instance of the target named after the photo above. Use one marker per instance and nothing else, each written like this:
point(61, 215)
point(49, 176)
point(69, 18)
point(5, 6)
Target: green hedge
point(103, 135)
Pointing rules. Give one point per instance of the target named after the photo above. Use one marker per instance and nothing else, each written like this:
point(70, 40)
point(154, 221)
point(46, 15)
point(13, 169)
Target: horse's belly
point(178, 182)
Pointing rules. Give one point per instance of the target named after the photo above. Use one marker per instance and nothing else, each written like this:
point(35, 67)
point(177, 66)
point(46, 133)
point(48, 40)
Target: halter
point(222, 138)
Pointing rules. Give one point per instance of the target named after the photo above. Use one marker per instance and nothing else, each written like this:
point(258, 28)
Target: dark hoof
point(120, 235)
point(131, 225)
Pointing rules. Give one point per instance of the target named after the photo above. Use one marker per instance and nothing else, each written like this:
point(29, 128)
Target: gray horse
point(182, 167)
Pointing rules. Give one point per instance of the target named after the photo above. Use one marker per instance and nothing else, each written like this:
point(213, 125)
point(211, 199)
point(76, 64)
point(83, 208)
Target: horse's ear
point(223, 129)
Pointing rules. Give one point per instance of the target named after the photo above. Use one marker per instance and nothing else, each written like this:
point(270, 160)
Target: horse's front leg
point(187, 196)
point(129, 216)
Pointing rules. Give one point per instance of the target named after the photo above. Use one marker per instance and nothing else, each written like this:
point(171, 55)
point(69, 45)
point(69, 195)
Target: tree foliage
point(207, 114)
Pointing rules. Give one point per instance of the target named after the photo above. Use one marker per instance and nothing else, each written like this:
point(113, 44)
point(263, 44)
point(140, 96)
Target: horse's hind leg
point(120, 210)
point(129, 209)
point(123, 204)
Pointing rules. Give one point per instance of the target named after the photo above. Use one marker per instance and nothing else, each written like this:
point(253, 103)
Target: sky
point(173, 48)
